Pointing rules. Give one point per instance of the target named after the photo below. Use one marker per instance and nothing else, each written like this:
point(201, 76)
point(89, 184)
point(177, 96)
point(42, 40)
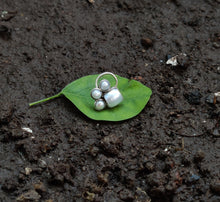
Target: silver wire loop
point(106, 73)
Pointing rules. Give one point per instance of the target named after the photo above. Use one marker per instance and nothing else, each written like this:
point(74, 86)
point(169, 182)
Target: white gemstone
point(96, 93)
point(100, 105)
point(104, 85)
point(113, 97)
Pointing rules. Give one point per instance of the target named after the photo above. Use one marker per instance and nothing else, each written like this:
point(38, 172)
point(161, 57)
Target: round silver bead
point(96, 93)
point(104, 85)
point(100, 104)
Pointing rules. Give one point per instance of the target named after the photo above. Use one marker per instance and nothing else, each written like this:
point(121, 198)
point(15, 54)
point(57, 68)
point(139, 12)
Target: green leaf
point(135, 95)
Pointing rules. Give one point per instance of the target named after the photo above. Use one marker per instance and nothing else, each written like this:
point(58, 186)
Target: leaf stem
point(46, 99)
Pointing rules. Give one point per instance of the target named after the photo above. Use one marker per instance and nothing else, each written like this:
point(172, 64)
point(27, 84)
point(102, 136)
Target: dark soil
point(169, 152)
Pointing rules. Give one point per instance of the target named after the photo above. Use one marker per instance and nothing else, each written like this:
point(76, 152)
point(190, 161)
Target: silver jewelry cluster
point(104, 95)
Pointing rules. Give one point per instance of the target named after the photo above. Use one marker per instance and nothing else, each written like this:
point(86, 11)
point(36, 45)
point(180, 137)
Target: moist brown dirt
point(169, 152)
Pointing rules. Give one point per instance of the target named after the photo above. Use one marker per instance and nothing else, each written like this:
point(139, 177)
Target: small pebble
point(89, 196)
point(149, 166)
point(178, 60)
point(194, 178)
point(141, 196)
point(3, 13)
point(28, 130)
point(156, 178)
point(110, 144)
point(28, 171)
point(216, 45)
point(31, 195)
point(216, 132)
point(7, 15)
point(49, 200)
point(183, 60)
point(193, 97)
point(210, 99)
point(103, 178)
point(172, 61)
point(94, 151)
point(126, 195)
point(146, 42)
point(91, 1)
point(40, 187)
point(215, 187)
point(42, 163)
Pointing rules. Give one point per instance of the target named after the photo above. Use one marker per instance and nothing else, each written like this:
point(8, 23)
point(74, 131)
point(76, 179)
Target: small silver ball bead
point(104, 85)
point(100, 104)
point(96, 93)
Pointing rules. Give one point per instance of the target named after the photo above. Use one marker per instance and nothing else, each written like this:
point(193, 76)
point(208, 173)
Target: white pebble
point(28, 130)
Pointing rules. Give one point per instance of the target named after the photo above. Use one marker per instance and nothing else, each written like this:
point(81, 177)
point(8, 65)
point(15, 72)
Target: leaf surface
point(135, 95)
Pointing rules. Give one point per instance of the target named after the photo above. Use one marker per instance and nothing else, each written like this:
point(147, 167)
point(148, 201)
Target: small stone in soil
point(146, 42)
point(89, 196)
point(215, 187)
point(156, 178)
point(103, 178)
point(210, 99)
point(216, 45)
point(172, 61)
point(7, 15)
point(28, 171)
point(28, 130)
point(216, 132)
point(91, 1)
point(141, 196)
point(93, 150)
point(110, 144)
point(182, 60)
point(178, 60)
point(31, 195)
point(40, 187)
point(126, 195)
point(49, 200)
point(42, 163)
point(193, 97)
point(194, 178)
point(149, 166)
